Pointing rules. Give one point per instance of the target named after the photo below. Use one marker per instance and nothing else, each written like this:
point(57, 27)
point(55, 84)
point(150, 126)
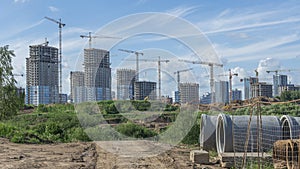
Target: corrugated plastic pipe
point(208, 132)
point(231, 133)
point(290, 127)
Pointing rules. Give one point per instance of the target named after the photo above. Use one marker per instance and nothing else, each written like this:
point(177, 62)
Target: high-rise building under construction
point(42, 75)
point(77, 88)
point(189, 93)
point(97, 75)
point(125, 84)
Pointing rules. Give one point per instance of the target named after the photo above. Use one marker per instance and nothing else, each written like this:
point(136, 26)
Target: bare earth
point(127, 155)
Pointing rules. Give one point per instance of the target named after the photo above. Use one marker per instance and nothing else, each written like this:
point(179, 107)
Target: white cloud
point(182, 11)
point(53, 9)
point(257, 50)
point(20, 1)
point(268, 64)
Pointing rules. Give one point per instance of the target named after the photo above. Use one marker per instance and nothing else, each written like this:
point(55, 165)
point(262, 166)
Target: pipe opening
point(286, 130)
point(220, 135)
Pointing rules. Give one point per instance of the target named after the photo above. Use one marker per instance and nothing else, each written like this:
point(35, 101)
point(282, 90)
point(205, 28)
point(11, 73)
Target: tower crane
point(276, 76)
point(158, 71)
point(211, 66)
point(137, 60)
point(90, 37)
point(45, 43)
point(60, 26)
point(230, 75)
point(19, 74)
point(178, 79)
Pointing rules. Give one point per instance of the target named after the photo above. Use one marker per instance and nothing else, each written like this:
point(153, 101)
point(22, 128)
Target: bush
point(133, 130)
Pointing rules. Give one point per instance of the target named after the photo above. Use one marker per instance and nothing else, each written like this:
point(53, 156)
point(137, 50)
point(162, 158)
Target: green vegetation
point(290, 95)
point(55, 123)
point(60, 123)
point(292, 109)
point(133, 130)
point(9, 100)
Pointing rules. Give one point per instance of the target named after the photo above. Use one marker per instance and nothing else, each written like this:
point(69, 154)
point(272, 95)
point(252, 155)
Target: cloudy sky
point(245, 35)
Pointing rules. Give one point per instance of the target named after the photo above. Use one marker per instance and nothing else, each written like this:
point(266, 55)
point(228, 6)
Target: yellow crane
point(211, 66)
point(137, 60)
point(178, 79)
point(60, 26)
point(158, 71)
point(90, 37)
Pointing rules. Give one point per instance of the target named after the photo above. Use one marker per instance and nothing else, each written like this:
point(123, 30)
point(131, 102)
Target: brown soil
point(90, 155)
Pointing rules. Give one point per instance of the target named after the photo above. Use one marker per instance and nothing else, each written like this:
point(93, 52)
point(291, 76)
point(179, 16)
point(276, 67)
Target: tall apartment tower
point(279, 80)
point(125, 84)
point(77, 94)
point(222, 92)
point(189, 93)
point(144, 89)
point(42, 75)
point(97, 75)
point(247, 86)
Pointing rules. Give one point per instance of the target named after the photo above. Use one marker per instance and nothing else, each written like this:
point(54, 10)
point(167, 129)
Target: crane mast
point(137, 60)
point(178, 79)
point(211, 66)
point(60, 26)
point(158, 71)
point(90, 37)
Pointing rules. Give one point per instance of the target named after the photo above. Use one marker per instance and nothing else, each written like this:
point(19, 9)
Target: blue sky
point(246, 35)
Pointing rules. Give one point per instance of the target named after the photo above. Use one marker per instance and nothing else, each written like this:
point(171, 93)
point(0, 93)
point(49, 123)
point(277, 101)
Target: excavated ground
point(93, 155)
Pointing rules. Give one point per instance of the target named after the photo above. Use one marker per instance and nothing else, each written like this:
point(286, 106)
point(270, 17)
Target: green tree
point(289, 95)
point(8, 97)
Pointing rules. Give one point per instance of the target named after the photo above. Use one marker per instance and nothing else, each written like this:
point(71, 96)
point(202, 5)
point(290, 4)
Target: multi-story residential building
point(261, 89)
point(247, 86)
point(289, 87)
point(97, 74)
point(125, 84)
point(77, 88)
point(279, 80)
point(189, 93)
point(42, 75)
point(236, 95)
point(145, 90)
point(222, 92)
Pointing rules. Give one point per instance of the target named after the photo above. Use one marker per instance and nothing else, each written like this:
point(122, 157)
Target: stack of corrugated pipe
point(225, 133)
point(287, 150)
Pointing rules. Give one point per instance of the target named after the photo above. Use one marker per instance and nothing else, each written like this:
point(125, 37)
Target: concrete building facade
point(222, 92)
point(97, 75)
point(279, 80)
point(77, 88)
point(262, 89)
point(189, 93)
point(145, 90)
point(247, 86)
point(42, 75)
point(125, 84)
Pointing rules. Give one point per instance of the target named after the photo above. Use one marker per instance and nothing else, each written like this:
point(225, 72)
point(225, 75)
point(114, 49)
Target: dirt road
point(91, 155)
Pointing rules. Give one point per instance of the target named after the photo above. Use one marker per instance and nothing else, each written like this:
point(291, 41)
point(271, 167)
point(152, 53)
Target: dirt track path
point(131, 155)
